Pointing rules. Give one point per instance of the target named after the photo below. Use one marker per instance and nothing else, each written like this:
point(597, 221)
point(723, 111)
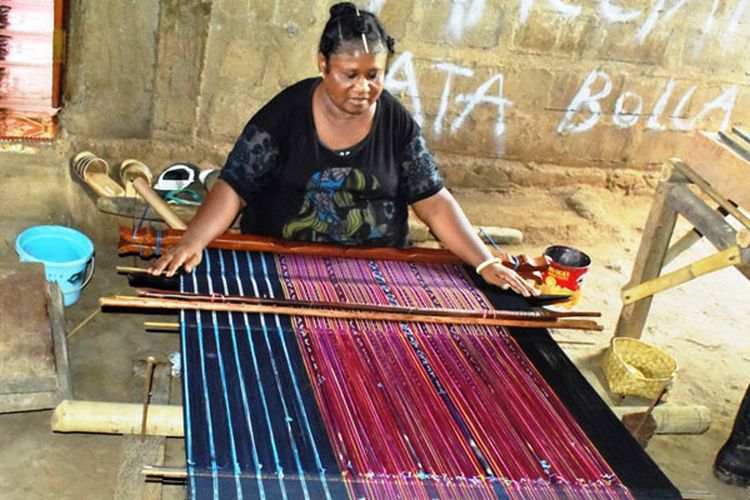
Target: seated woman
point(337, 159)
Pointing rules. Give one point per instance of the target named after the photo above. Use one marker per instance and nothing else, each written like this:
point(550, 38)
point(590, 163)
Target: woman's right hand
point(213, 217)
point(184, 254)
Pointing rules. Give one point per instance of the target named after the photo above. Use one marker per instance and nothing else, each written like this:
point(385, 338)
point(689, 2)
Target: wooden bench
point(708, 186)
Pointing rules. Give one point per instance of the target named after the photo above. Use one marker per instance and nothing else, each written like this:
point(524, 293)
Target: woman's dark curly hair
point(347, 24)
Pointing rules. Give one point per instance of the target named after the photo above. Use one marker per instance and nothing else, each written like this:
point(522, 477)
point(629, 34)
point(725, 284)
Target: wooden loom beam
point(146, 242)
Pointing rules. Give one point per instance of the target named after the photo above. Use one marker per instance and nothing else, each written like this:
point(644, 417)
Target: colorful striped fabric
point(292, 407)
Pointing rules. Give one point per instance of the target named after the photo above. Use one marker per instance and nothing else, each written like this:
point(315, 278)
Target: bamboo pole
point(725, 258)
point(148, 303)
point(116, 418)
point(161, 325)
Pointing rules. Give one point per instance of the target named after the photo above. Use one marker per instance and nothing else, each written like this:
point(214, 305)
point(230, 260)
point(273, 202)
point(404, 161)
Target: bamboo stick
point(150, 362)
point(131, 270)
point(160, 325)
point(164, 472)
point(149, 303)
point(729, 257)
point(117, 418)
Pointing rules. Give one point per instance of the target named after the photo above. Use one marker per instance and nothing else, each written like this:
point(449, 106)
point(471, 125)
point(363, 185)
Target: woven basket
point(636, 368)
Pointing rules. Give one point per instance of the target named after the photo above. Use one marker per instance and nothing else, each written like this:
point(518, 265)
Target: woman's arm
point(213, 217)
point(447, 221)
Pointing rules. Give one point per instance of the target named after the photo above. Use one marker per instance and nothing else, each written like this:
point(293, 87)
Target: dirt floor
point(701, 324)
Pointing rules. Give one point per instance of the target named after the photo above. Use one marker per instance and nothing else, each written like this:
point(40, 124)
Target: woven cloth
point(279, 406)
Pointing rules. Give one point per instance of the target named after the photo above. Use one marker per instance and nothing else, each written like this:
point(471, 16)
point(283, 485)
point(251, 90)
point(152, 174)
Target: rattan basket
point(635, 368)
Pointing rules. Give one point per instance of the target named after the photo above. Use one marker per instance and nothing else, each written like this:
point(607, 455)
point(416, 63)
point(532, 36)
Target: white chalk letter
point(524, 10)
point(650, 22)
point(709, 22)
point(450, 70)
point(724, 102)
point(677, 119)
point(565, 9)
point(585, 99)
point(462, 17)
point(734, 22)
point(408, 85)
point(623, 118)
point(375, 6)
point(479, 97)
point(615, 14)
point(661, 103)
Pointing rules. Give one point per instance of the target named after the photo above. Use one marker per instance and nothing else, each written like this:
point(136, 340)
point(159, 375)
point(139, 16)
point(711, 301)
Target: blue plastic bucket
point(65, 254)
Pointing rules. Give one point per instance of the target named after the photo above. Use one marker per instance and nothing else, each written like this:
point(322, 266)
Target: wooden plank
point(711, 190)
point(737, 144)
point(60, 340)
point(721, 167)
point(742, 134)
point(26, 350)
point(28, 375)
point(648, 262)
point(709, 223)
point(136, 453)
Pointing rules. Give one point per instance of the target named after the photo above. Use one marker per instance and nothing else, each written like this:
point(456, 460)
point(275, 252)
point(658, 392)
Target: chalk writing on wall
point(585, 110)
point(484, 93)
point(464, 14)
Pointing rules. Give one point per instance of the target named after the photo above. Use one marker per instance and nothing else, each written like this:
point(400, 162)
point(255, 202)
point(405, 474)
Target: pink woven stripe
point(416, 410)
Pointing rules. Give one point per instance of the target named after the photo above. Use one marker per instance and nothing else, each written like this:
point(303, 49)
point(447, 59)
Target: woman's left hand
point(506, 278)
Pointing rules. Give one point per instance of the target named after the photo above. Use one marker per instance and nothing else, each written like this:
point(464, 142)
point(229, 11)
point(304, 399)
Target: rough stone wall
point(518, 92)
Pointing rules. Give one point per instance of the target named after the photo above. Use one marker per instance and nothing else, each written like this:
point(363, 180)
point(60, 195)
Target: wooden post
point(155, 381)
point(649, 260)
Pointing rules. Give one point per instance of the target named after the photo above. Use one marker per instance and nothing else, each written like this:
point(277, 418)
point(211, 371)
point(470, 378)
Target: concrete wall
point(519, 92)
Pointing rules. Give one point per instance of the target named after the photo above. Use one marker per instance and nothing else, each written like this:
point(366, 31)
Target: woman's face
point(353, 79)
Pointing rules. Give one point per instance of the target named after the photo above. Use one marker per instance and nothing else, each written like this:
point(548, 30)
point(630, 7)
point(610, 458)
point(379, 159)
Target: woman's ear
point(322, 63)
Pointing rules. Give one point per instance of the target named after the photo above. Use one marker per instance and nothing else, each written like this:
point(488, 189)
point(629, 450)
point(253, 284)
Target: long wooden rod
point(469, 313)
point(152, 303)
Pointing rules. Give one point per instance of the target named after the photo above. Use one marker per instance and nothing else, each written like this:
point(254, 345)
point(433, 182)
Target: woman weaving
point(337, 159)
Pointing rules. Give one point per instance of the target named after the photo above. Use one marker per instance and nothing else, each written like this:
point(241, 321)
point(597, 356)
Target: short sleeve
point(421, 176)
point(252, 163)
